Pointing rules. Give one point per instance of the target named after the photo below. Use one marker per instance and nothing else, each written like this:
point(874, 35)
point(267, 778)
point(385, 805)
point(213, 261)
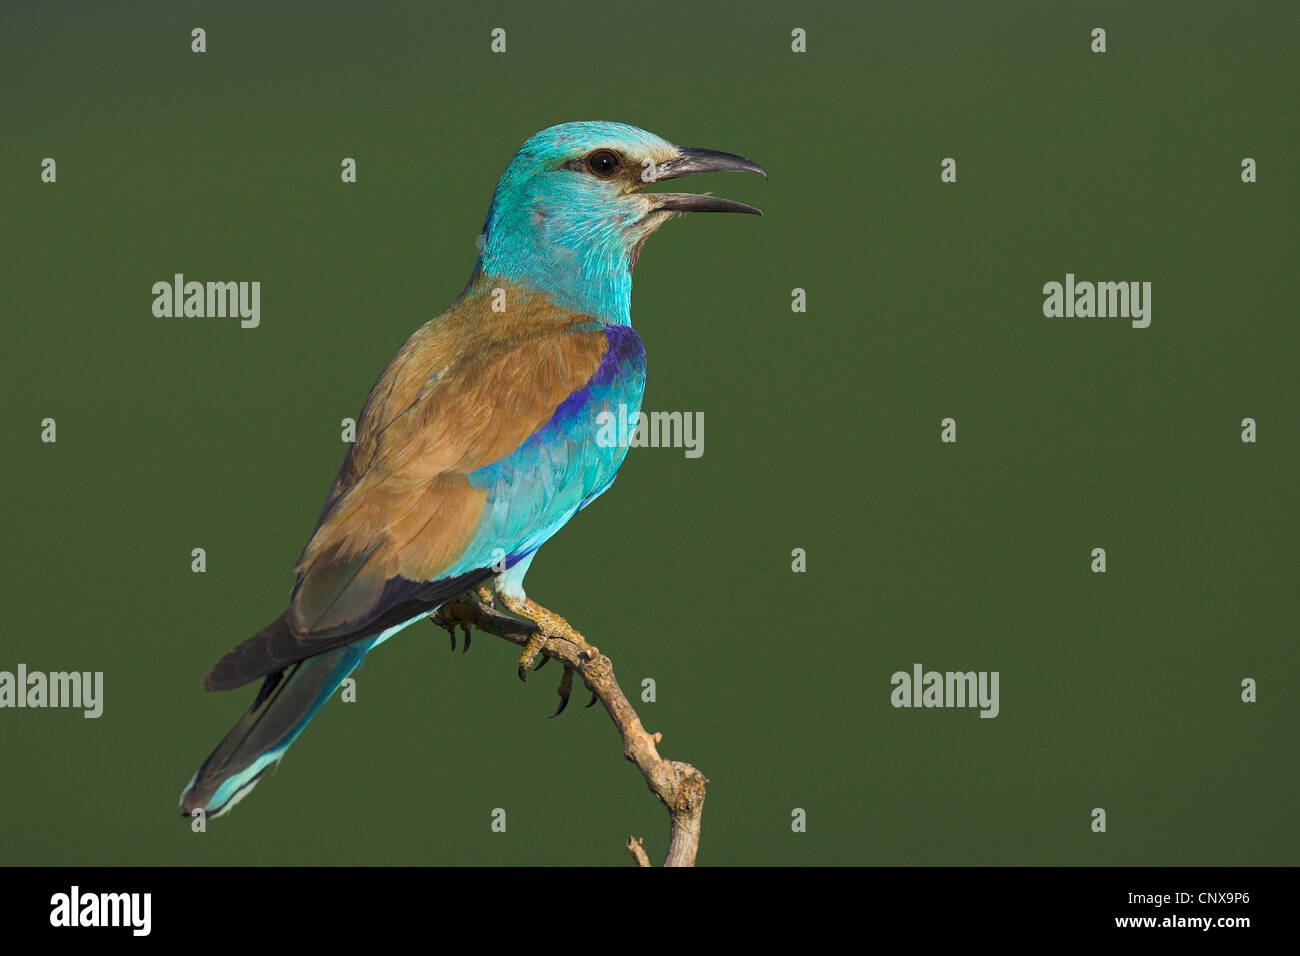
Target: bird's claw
point(566, 688)
point(531, 650)
point(451, 632)
point(449, 627)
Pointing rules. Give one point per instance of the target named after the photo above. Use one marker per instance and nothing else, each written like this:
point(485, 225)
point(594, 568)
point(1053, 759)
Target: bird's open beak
point(692, 159)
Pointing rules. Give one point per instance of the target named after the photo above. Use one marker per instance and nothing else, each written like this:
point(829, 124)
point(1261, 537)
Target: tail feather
point(278, 646)
point(285, 704)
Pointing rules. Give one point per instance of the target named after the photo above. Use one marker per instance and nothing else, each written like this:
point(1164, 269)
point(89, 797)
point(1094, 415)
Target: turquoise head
point(570, 213)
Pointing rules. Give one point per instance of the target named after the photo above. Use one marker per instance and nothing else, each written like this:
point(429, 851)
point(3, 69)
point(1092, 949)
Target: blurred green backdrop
point(822, 429)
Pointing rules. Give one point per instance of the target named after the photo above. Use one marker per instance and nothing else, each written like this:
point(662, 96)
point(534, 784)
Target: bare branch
point(679, 786)
point(637, 849)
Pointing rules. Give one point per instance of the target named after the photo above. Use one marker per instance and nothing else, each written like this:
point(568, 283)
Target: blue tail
point(284, 706)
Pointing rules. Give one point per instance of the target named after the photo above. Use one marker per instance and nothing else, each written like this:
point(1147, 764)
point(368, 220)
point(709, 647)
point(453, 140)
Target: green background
point(822, 429)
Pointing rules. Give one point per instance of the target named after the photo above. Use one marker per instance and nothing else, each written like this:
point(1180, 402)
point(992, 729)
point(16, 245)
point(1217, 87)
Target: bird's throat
point(596, 285)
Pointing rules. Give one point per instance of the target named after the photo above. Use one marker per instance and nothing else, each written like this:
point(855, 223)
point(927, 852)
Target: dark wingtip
point(218, 676)
point(224, 676)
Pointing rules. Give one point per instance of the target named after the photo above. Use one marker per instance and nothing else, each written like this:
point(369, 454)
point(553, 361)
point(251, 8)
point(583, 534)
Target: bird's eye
point(603, 163)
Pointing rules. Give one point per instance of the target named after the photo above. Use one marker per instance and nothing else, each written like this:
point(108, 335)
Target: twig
point(679, 786)
point(637, 849)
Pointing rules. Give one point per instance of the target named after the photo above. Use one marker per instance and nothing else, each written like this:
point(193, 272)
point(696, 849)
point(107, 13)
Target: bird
point(480, 439)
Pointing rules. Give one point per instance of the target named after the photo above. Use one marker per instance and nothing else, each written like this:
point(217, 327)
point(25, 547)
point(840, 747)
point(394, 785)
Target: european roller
point(479, 440)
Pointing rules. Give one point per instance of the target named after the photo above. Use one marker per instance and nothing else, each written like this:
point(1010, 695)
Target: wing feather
point(466, 391)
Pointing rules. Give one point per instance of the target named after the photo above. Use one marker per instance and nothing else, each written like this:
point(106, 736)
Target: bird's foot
point(531, 650)
point(450, 616)
point(453, 613)
point(450, 627)
point(549, 625)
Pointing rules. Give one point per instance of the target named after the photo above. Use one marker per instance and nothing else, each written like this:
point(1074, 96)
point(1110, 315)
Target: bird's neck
point(590, 275)
point(607, 299)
